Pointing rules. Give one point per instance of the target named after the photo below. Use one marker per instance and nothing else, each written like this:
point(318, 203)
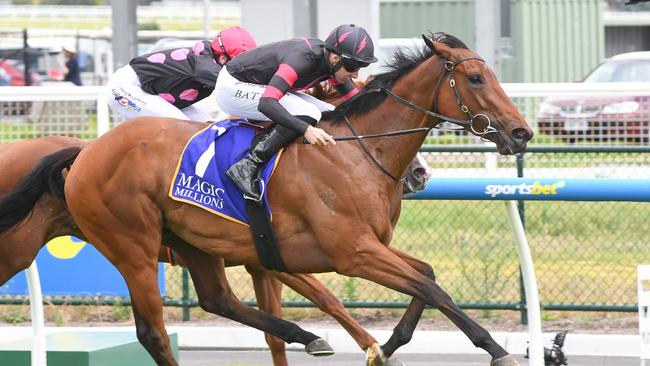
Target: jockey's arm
point(280, 84)
point(346, 90)
point(272, 108)
point(206, 70)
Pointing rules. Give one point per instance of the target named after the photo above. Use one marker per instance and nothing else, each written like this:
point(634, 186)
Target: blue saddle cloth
point(200, 177)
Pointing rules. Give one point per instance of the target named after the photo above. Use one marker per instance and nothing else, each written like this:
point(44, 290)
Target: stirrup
point(257, 200)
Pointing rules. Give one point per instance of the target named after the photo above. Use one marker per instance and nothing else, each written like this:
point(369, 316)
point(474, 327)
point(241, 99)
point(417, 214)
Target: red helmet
point(232, 41)
point(351, 42)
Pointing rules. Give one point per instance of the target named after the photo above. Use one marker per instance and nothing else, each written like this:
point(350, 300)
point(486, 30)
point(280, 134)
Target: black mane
point(402, 61)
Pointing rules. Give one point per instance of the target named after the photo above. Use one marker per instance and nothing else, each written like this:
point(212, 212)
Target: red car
point(16, 72)
point(596, 119)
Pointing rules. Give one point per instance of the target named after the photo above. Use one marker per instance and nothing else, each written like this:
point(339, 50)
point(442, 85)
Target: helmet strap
point(337, 66)
point(223, 49)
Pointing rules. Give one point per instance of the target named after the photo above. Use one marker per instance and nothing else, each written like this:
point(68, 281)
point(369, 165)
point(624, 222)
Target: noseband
point(448, 70)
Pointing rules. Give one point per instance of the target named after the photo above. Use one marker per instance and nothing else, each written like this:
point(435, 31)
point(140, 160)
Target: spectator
point(71, 70)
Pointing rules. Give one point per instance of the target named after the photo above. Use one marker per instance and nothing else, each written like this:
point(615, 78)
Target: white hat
point(69, 46)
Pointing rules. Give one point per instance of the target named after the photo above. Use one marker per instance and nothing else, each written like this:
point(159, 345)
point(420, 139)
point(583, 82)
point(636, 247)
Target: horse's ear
point(432, 45)
point(428, 42)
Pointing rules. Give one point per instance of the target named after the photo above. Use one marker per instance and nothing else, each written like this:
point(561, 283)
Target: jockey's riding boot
point(244, 172)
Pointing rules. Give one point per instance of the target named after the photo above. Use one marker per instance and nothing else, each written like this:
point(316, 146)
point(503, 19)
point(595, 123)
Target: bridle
point(448, 70)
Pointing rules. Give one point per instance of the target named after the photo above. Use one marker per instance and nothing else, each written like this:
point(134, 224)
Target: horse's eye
point(475, 79)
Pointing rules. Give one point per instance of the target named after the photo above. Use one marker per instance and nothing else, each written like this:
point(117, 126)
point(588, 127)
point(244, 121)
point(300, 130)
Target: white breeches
point(241, 99)
point(126, 97)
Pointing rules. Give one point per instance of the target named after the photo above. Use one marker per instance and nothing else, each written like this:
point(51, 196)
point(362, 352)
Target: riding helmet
point(352, 42)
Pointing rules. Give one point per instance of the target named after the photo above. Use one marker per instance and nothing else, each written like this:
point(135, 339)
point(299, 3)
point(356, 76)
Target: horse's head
point(467, 89)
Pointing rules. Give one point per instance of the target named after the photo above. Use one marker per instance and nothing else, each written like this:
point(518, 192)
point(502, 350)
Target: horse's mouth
point(416, 180)
point(513, 143)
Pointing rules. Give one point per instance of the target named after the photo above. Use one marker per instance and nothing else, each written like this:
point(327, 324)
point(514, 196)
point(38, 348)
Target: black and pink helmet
point(352, 43)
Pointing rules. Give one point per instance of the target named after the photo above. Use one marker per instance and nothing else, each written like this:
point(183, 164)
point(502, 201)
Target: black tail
point(45, 178)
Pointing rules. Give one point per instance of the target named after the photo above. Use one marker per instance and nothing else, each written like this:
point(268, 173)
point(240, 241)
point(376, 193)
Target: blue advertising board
point(533, 189)
point(69, 266)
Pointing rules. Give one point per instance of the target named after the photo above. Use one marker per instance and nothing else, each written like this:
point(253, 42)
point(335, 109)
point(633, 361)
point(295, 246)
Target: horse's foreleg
point(379, 264)
point(403, 331)
point(268, 292)
point(215, 296)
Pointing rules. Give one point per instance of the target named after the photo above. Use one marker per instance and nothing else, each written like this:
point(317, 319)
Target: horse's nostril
point(520, 134)
point(419, 172)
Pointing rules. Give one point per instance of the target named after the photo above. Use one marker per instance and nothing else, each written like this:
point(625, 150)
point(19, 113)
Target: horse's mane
point(402, 61)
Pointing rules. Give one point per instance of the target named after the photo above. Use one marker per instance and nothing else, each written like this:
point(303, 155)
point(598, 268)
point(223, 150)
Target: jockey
point(168, 82)
point(264, 84)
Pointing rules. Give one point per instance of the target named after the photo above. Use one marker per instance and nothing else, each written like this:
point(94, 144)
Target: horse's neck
point(396, 153)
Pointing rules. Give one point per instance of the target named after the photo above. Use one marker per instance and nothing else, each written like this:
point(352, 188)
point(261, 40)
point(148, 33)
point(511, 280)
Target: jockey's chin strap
point(449, 67)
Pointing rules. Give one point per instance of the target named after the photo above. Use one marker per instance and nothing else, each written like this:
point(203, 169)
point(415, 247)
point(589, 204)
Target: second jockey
point(167, 83)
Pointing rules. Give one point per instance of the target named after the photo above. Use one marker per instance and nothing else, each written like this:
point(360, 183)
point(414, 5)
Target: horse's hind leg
point(131, 242)
point(215, 296)
point(312, 289)
point(309, 287)
point(268, 292)
point(146, 302)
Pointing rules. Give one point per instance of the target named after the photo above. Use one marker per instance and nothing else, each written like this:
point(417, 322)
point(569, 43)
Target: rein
point(449, 67)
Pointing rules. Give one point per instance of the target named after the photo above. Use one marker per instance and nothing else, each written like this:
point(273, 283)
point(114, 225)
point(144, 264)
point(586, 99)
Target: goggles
point(351, 65)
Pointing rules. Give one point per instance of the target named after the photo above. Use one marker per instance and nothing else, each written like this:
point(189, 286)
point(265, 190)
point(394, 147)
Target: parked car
point(15, 71)
point(5, 78)
point(627, 119)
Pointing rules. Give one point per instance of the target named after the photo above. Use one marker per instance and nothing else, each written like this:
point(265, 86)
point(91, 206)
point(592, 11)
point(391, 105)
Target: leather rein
point(449, 67)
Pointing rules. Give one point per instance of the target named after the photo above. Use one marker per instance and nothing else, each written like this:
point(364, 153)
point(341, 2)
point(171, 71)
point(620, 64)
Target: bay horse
point(50, 218)
point(324, 218)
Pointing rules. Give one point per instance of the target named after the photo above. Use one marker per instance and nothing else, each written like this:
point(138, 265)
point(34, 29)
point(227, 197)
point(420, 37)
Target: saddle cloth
point(200, 178)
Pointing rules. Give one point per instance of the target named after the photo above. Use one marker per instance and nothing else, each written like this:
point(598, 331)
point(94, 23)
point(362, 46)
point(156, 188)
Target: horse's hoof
point(394, 361)
point(319, 347)
point(375, 356)
point(507, 360)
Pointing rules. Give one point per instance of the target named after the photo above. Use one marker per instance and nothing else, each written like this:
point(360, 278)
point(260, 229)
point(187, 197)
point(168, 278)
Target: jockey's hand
point(317, 136)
